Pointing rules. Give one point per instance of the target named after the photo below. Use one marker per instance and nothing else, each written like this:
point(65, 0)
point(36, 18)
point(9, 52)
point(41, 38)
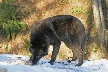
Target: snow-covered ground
point(17, 63)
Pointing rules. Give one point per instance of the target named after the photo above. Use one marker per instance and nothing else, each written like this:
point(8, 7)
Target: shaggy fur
point(52, 31)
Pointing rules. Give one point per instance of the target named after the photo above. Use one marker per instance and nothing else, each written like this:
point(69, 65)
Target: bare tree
point(99, 20)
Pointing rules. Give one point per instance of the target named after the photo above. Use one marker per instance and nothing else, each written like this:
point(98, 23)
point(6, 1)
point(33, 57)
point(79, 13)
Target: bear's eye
point(31, 45)
point(43, 45)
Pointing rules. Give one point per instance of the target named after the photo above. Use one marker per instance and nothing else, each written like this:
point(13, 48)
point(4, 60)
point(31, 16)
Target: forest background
point(17, 17)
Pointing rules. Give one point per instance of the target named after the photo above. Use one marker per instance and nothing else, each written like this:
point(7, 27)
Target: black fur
point(52, 31)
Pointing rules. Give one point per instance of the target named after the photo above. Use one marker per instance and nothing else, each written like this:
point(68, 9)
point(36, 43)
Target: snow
point(17, 63)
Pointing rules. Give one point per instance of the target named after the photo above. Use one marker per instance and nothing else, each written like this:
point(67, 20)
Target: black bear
point(53, 30)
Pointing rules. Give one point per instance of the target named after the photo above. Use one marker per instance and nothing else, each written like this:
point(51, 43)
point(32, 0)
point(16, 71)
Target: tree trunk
point(97, 20)
point(101, 14)
point(106, 39)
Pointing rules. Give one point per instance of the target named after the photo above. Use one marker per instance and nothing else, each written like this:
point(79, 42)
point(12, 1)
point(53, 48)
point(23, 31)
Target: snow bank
point(17, 63)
